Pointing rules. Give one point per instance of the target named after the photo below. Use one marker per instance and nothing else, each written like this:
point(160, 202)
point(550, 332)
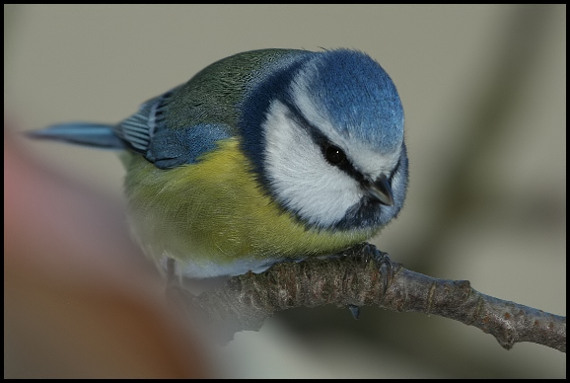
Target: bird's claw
point(354, 310)
point(383, 262)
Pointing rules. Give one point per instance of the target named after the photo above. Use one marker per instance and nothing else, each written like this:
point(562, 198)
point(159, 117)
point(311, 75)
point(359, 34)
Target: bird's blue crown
point(358, 96)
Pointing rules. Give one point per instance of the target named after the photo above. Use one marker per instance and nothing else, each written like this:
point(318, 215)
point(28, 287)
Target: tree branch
point(363, 276)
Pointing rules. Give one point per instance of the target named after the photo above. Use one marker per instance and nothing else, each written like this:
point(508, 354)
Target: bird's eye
point(334, 155)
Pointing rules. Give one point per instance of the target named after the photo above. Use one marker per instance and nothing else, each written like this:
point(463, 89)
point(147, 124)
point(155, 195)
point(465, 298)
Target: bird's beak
point(381, 190)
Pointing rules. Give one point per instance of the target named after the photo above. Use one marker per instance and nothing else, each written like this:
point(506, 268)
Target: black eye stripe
point(335, 156)
point(328, 149)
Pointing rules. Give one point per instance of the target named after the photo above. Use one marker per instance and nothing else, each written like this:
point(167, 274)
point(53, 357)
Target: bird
point(265, 156)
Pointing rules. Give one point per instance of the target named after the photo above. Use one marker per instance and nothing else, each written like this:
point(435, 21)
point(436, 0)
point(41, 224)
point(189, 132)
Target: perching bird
point(262, 156)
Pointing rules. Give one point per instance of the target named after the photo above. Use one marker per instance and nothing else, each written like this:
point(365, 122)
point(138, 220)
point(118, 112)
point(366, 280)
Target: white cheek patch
point(301, 179)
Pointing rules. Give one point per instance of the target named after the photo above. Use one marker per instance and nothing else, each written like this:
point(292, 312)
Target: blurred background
point(484, 94)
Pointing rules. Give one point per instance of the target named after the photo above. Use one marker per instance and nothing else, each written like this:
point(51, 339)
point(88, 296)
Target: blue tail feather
point(81, 133)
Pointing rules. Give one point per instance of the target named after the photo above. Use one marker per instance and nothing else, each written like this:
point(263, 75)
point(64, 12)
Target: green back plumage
point(213, 94)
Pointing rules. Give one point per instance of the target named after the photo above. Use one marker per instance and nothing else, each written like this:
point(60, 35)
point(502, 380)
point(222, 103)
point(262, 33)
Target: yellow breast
point(215, 211)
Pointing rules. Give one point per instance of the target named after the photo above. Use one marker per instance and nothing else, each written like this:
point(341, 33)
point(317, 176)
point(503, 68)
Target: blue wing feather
point(170, 148)
point(147, 132)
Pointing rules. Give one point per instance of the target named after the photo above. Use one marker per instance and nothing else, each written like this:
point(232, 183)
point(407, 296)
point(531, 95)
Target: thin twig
point(364, 277)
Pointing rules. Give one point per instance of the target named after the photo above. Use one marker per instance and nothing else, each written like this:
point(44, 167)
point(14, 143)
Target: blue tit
point(262, 156)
